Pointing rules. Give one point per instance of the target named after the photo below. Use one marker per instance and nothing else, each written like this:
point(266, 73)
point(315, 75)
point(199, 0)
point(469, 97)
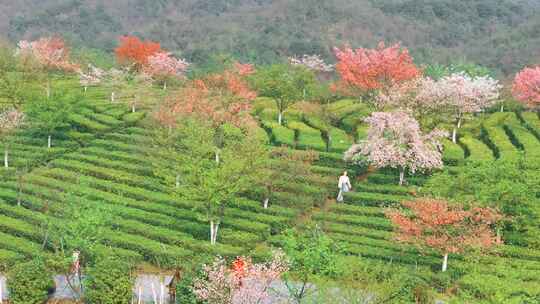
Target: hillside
point(501, 34)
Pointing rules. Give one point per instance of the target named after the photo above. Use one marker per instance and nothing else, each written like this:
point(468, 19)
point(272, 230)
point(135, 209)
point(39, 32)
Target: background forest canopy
point(501, 35)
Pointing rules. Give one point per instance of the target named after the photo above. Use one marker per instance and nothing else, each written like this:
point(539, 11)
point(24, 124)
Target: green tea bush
point(30, 282)
point(109, 281)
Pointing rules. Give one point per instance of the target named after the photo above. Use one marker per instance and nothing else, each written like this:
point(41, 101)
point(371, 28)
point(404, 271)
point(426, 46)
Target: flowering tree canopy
point(395, 140)
point(312, 62)
point(375, 69)
point(9, 120)
point(93, 76)
point(526, 87)
point(460, 94)
point(444, 228)
point(243, 283)
point(133, 50)
point(50, 52)
point(162, 65)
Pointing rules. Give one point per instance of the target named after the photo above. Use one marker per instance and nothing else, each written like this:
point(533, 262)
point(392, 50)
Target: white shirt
point(344, 180)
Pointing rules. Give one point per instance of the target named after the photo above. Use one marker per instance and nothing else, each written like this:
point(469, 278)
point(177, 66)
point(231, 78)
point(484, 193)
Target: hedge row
point(86, 124)
point(357, 210)
point(521, 136)
point(167, 208)
point(307, 137)
point(280, 134)
point(385, 189)
point(338, 140)
point(386, 178)
point(476, 149)
point(373, 199)
point(453, 154)
point(356, 230)
point(532, 122)
point(19, 245)
point(356, 220)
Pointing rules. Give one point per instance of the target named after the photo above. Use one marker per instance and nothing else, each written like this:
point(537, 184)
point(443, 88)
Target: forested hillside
point(503, 35)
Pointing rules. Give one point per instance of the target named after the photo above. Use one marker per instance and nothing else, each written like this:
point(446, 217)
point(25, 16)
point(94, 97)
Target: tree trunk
point(177, 181)
point(502, 107)
point(112, 96)
point(49, 142)
point(266, 200)
point(85, 88)
point(48, 89)
point(6, 158)
point(133, 108)
point(217, 156)
point(454, 133)
point(445, 262)
point(459, 122)
point(212, 232)
point(280, 117)
point(216, 232)
point(401, 176)
point(164, 85)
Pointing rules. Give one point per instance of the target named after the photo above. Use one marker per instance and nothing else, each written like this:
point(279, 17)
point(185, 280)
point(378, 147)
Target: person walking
point(344, 185)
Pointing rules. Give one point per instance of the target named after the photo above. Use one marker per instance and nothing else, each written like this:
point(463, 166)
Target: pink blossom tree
point(93, 76)
point(395, 140)
point(162, 66)
point(52, 55)
point(526, 87)
point(10, 120)
point(312, 62)
point(460, 94)
point(241, 283)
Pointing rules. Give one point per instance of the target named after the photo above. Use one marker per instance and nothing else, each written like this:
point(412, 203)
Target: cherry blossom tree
point(10, 120)
point(372, 70)
point(51, 53)
point(92, 77)
point(526, 87)
point(447, 229)
point(460, 94)
point(162, 66)
point(241, 283)
point(395, 140)
point(312, 62)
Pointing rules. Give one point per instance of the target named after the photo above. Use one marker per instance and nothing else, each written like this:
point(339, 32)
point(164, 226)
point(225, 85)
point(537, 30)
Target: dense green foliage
point(109, 281)
point(30, 282)
point(498, 34)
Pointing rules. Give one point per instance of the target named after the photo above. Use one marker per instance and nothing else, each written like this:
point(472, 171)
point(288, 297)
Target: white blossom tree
point(10, 120)
point(395, 140)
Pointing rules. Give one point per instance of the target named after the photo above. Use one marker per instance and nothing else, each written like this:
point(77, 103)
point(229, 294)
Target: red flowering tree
point(133, 50)
point(51, 53)
point(436, 225)
point(162, 66)
point(395, 140)
point(243, 283)
point(526, 87)
point(10, 120)
point(372, 70)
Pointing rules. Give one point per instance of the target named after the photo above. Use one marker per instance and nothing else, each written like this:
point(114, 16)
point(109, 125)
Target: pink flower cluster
point(162, 64)
point(225, 285)
point(93, 76)
point(526, 87)
point(312, 62)
point(10, 119)
point(460, 92)
point(50, 52)
point(395, 140)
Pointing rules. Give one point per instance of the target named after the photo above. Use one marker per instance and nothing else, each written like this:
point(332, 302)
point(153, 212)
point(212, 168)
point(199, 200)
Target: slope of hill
point(500, 34)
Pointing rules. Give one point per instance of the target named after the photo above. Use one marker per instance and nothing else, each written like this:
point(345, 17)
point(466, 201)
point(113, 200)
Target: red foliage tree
point(446, 229)
point(133, 50)
point(526, 87)
point(375, 69)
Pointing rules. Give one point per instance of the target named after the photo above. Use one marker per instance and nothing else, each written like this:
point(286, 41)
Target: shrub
point(30, 283)
point(109, 281)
